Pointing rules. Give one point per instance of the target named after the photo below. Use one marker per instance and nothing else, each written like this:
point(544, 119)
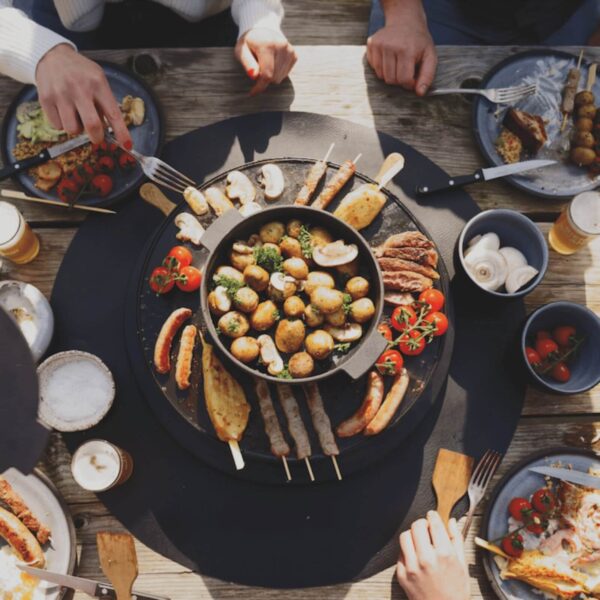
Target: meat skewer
point(322, 424)
point(570, 90)
point(336, 183)
point(279, 447)
point(315, 175)
point(295, 425)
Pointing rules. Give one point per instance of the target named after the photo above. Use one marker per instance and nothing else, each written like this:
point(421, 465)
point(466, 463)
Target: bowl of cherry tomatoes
point(560, 344)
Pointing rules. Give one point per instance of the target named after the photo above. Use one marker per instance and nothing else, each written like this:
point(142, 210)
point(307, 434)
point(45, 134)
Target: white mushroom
point(242, 248)
point(474, 240)
point(347, 333)
point(488, 268)
point(250, 208)
point(270, 355)
point(221, 300)
point(514, 258)
point(519, 277)
point(271, 178)
point(335, 254)
point(190, 229)
point(196, 200)
point(279, 281)
point(488, 241)
point(240, 188)
point(137, 112)
point(217, 200)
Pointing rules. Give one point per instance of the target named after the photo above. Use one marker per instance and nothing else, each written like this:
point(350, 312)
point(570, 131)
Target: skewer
point(580, 59)
point(568, 111)
point(357, 158)
point(336, 467)
point(238, 459)
point(490, 547)
point(309, 469)
point(286, 468)
point(15, 195)
point(329, 152)
point(564, 122)
point(591, 78)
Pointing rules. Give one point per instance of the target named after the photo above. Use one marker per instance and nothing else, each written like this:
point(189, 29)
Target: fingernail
point(252, 73)
point(128, 145)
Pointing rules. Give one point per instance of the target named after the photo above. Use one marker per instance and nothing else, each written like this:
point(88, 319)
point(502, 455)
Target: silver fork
point(158, 170)
point(481, 477)
point(498, 95)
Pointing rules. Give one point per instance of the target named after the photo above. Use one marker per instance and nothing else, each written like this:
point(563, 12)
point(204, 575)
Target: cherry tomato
point(385, 331)
point(560, 372)
point(189, 279)
point(403, 318)
point(411, 343)
point(126, 161)
point(512, 545)
point(161, 280)
point(113, 149)
point(542, 334)
point(546, 347)
point(564, 335)
point(101, 148)
point(181, 257)
point(105, 164)
point(434, 298)
point(539, 523)
point(533, 358)
point(543, 500)
point(519, 509)
point(390, 363)
point(439, 321)
point(102, 185)
point(67, 189)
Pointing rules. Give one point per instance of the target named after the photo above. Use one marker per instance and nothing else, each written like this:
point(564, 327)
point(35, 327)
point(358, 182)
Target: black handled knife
point(482, 175)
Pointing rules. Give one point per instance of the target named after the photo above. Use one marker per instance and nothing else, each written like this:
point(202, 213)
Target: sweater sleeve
point(23, 43)
point(257, 13)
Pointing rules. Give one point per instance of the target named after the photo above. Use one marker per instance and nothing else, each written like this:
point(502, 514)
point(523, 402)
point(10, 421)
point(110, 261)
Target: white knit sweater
point(23, 43)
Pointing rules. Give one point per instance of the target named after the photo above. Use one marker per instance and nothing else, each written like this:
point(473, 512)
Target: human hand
point(403, 53)
point(432, 562)
point(266, 55)
point(75, 94)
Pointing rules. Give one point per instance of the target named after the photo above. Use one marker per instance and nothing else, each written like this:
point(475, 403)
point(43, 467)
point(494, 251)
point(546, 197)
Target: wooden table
point(203, 86)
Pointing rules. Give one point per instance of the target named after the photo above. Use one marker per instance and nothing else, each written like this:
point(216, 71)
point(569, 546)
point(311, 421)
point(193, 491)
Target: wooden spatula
point(391, 166)
point(154, 196)
point(118, 561)
point(450, 479)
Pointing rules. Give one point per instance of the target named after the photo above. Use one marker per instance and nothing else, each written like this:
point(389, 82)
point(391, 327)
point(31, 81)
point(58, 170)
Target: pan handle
point(371, 349)
point(221, 227)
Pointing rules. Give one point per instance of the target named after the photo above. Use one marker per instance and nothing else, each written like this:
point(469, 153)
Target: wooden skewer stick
point(336, 467)
point(580, 59)
point(329, 152)
point(591, 78)
point(238, 459)
point(564, 121)
point(357, 158)
point(15, 195)
point(309, 468)
point(287, 468)
point(490, 547)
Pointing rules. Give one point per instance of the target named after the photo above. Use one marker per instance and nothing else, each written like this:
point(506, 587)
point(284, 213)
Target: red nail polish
point(128, 145)
point(252, 73)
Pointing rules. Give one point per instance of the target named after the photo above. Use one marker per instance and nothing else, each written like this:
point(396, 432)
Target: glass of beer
point(98, 465)
point(18, 242)
point(578, 223)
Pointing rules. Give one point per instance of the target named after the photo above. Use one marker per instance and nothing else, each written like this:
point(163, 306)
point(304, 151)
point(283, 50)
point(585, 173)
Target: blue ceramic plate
point(147, 137)
point(520, 481)
point(549, 69)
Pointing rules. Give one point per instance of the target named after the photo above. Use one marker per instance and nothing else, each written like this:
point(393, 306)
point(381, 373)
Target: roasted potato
point(301, 365)
point(256, 277)
point(289, 335)
point(317, 279)
point(582, 156)
point(233, 324)
point(338, 318)
point(241, 261)
point(326, 300)
point(349, 269)
point(357, 287)
point(245, 348)
point(293, 228)
point(319, 344)
point(227, 271)
point(313, 317)
point(584, 124)
point(219, 301)
point(272, 232)
point(274, 246)
point(296, 267)
point(587, 111)
point(281, 287)
point(294, 307)
point(265, 316)
point(290, 247)
point(360, 207)
point(583, 139)
point(584, 97)
point(320, 236)
point(245, 299)
point(362, 310)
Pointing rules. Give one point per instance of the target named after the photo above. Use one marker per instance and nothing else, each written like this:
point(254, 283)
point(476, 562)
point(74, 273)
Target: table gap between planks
point(438, 127)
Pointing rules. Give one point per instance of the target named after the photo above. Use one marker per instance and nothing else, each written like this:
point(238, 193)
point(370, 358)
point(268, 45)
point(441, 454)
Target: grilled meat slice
point(413, 239)
point(406, 281)
point(423, 256)
point(399, 264)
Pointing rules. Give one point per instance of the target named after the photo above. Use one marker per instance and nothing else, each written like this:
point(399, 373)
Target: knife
point(88, 586)
point(484, 175)
point(44, 156)
point(570, 475)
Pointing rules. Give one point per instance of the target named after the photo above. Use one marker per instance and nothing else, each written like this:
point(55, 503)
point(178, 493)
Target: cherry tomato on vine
point(105, 164)
point(533, 358)
point(564, 335)
point(102, 185)
point(161, 280)
point(434, 298)
point(560, 372)
point(126, 161)
point(545, 347)
point(513, 545)
point(403, 318)
point(543, 500)
point(189, 279)
point(539, 523)
point(390, 363)
point(385, 331)
point(519, 509)
point(542, 334)
point(439, 321)
point(181, 257)
point(67, 189)
point(411, 343)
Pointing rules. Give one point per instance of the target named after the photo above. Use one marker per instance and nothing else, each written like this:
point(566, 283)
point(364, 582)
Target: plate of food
point(250, 293)
point(558, 122)
point(97, 175)
point(35, 528)
point(544, 532)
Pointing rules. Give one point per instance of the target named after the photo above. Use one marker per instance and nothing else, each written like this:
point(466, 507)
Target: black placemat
point(260, 534)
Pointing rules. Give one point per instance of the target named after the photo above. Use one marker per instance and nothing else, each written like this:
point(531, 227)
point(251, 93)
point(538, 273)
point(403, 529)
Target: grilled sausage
point(334, 185)
point(183, 368)
point(279, 447)
point(21, 539)
point(320, 419)
point(295, 423)
point(368, 409)
point(311, 182)
point(162, 349)
point(390, 405)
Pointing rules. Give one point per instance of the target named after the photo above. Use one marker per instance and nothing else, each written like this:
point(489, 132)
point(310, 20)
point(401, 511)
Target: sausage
point(334, 185)
point(295, 424)
point(162, 349)
point(320, 419)
point(21, 539)
point(279, 447)
point(390, 405)
point(310, 183)
point(183, 368)
point(368, 409)
point(568, 101)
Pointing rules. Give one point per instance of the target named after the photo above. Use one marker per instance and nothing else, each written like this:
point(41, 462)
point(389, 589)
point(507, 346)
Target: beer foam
point(10, 221)
point(96, 465)
point(585, 212)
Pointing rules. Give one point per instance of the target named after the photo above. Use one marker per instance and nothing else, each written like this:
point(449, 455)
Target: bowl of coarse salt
point(76, 390)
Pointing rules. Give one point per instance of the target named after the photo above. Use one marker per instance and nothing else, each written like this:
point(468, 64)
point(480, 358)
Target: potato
point(582, 156)
point(349, 269)
point(362, 310)
point(319, 344)
point(583, 139)
point(245, 348)
point(313, 317)
point(584, 97)
point(256, 277)
point(241, 261)
point(360, 207)
point(587, 111)
point(226, 271)
point(294, 307)
point(219, 302)
point(320, 236)
point(317, 279)
point(295, 267)
point(246, 300)
point(337, 319)
point(233, 324)
point(293, 228)
point(272, 232)
point(290, 247)
point(357, 287)
point(326, 300)
point(265, 316)
point(584, 124)
point(274, 246)
point(301, 365)
point(289, 335)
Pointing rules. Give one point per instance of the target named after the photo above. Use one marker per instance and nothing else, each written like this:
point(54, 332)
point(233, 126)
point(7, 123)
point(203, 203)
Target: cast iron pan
point(184, 413)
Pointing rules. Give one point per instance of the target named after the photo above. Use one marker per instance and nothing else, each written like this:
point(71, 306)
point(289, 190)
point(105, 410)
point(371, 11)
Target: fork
point(158, 170)
point(481, 477)
point(498, 95)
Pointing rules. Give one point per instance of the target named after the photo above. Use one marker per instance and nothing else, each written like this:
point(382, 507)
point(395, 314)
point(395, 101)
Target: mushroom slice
point(137, 112)
point(250, 208)
point(335, 254)
point(271, 178)
point(488, 241)
point(347, 333)
point(217, 200)
point(242, 248)
point(279, 281)
point(514, 258)
point(270, 355)
point(239, 187)
point(222, 301)
point(196, 200)
point(488, 268)
point(190, 229)
point(519, 277)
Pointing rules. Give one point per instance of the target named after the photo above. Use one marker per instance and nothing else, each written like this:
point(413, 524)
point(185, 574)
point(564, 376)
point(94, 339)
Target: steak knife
point(44, 156)
point(88, 586)
point(569, 475)
point(483, 175)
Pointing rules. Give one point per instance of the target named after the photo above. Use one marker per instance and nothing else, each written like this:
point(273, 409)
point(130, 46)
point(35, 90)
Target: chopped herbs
point(342, 347)
point(305, 240)
point(268, 258)
point(285, 374)
point(230, 284)
point(276, 315)
point(347, 303)
point(233, 326)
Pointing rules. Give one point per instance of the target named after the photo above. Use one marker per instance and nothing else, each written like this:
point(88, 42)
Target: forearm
point(396, 11)
point(249, 14)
